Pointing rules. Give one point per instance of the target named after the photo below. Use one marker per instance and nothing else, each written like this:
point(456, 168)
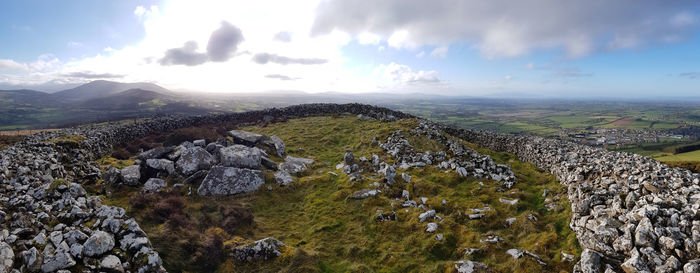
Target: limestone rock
point(99, 243)
point(230, 180)
point(194, 159)
point(279, 145)
point(264, 249)
point(245, 138)
point(240, 156)
point(131, 175)
point(283, 178)
point(153, 185)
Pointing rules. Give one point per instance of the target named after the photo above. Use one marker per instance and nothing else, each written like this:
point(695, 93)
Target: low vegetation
point(327, 232)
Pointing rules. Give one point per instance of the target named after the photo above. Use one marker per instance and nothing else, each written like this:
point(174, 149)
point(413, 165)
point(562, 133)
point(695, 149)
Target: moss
point(326, 232)
point(56, 183)
point(114, 163)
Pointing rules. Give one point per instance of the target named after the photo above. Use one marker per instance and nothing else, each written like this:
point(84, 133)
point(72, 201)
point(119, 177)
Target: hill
point(102, 88)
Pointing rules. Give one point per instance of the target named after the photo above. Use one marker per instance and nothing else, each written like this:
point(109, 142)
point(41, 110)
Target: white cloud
point(420, 54)
point(508, 77)
point(404, 75)
point(73, 44)
point(6, 64)
point(367, 38)
point(503, 28)
point(440, 52)
point(139, 11)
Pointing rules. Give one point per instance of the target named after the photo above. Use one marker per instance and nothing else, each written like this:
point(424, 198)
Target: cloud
point(507, 77)
point(403, 74)
point(571, 72)
point(503, 28)
point(264, 58)
point(420, 54)
point(222, 45)
point(440, 52)
point(185, 55)
point(280, 77)
point(73, 44)
point(90, 75)
point(6, 64)
point(283, 36)
point(139, 11)
point(224, 42)
point(690, 75)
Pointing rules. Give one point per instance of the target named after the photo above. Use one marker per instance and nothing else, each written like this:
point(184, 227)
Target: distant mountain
point(128, 100)
point(23, 97)
point(101, 88)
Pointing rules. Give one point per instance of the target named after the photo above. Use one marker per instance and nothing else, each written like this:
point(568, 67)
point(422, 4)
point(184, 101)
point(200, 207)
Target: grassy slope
point(689, 156)
point(329, 233)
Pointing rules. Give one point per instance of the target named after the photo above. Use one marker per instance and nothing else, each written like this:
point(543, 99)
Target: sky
point(528, 48)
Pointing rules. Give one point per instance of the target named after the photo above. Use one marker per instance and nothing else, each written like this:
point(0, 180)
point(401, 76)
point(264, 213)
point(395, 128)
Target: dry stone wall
point(630, 213)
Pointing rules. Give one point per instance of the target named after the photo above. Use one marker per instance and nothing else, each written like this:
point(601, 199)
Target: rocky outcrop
point(264, 249)
point(223, 180)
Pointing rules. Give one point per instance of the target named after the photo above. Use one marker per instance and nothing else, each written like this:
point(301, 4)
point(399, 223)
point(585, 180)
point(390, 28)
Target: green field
point(689, 156)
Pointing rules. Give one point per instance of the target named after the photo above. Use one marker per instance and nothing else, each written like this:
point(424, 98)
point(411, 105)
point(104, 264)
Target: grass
point(689, 156)
point(327, 232)
point(7, 140)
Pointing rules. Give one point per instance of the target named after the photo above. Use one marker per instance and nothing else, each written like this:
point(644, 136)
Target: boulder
point(157, 152)
point(32, 259)
point(131, 175)
point(644, 234)
point(349, 158)
point(431, 227)
point(590, 261)
point(153, 185)
point(99, 243)
point(283, 178)
point(426, 215)
point(279, 145)
point(162, 164)
point(245, 138)
point(264, 249)
point(194, 159)
point(240, 156)
point(200, 143)
point(112, 264)
point(230, 180)
point(60, 260)
point(294, 165)
point(365, 193)
point(268, 163)
point(112, 176)
point(466, 266)
point(7, 257)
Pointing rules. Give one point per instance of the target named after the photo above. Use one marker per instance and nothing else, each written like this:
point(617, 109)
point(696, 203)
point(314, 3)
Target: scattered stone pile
point(631, 213)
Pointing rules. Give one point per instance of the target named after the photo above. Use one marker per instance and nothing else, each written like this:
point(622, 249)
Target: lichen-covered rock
point(32, 259)
point(157, 152)
point(112, 264)
point(60, 260)
point(230, 180)
point(153, 185)
point(131, 175)
point(283, 178)
point(426, 215)
point(245, 138)
point(99, 243)
point(590, 261)
point(294, 165)
point(7, 257)
point(162, 164)
point(466, 266)
point(240, 156)
point(264, 249)
point(279, 145)
point(194, 159)
point(431, 227)
point(365, 193)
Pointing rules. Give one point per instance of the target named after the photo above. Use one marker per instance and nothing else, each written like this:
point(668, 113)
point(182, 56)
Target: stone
point(515, 253)
point(406, 177)
point(131, 175)
point(426, 215)
point(431, 227)
point(111, 263)
point(283, 178)
point(644, 234)
point(60, 260)
point(386, 216)
point(264, 249)
point(7, 257)
point(32, 259)
point(590, 261)
point(389, 174)
point(348, 158)
point(162, 164)
point(200, 143)
point(153, 185)
point(99, 243)
point(157, 152)
point(240, 156)
point(268, 163)
point(245, 138)
point(508, 201)
point(279, 145)
point(294, 165)
point(692, 266)
point(194, 159)
point(230, 180)
point(467, 266)
point(365, 193)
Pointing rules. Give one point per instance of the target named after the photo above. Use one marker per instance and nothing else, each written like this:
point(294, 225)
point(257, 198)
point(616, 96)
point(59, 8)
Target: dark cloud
point(263, 58)
point(280, 77)
point(185, 55)
point(88, 75)
point(283, 36)
point(224, 42)
point(690, 75)
point(512, 28)
point(222, 45)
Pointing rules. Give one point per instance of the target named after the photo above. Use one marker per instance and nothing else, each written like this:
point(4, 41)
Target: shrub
point(235, 215)
point(169, 206)
point(210, 254)
point(140, 201)
point(121, 154)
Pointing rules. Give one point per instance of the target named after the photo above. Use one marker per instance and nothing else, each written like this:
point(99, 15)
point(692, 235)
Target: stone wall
point(630, 213)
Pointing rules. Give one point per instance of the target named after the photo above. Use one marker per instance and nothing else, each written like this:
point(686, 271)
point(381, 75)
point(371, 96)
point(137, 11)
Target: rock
point(7, 257)
point(590, 261)
point(194, 159)
point(634, 264)
point(112, 176)
point(283, 178)
point(161, 165)
point(153, 185)
point(510, 221)
point(60, 260)
point(462, 172)
point(515, 253)
point(406, 177)
point(426, 215)
point(264, 249)
point(508, 201)
point(112, 263)
point(405, 194)
point(466, 266)
point(245, 138)
point(644, 234)
point(32, 259)
point(267, 163)
point(99, 243)
point(192, 179)
point(431, 227)
point(389, 174)
point(279, 145)
point(240, 156)
point(131, 175)
point(693, 266)
point(230, 180)
point(294, 165)
point(365, 193)
point(157, 152)
point(349, 158)
point(200, 143)
point(387, 216)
